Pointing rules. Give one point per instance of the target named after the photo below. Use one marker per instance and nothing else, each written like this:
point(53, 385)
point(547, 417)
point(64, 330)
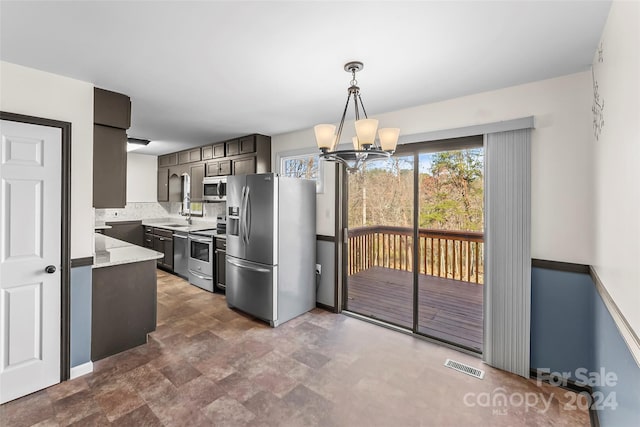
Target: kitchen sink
point(177, 225)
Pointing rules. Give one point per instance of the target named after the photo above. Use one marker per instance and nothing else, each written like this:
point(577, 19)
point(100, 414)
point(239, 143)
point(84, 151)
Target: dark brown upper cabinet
point(218, 150)
point(189, 156)
point(207, 152)
point(109, 167)
point(239, 156)
point(232, 147)
point(244, 145)
point(244, 166)
point(223, 167)
point(111, 109)
point(168, 160)
point(215, 151)
point(111, 118)
point(163, 185)
point(247, 144)
point(197, 175)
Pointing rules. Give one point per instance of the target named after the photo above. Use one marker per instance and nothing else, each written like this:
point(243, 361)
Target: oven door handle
point(200, 276)
point(200, 240)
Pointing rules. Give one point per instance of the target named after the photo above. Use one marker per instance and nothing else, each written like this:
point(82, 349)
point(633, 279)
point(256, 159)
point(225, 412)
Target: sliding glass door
point(414, 256)
point(380, 241)
point(450, 245)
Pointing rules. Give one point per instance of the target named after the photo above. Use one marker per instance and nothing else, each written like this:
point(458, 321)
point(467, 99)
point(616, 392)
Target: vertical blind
point(507, 298)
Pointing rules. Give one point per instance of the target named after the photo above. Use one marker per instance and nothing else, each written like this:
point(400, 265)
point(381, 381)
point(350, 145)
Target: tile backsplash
point(149, 210)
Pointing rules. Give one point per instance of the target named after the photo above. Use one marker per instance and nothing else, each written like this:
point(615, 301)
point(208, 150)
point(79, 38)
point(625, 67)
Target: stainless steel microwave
point(214, 189)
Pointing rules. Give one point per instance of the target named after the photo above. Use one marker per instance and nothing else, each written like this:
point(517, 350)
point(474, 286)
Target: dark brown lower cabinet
point(148, 240)
point(123, 307)
point(163, 242)
point(221, 253)
point(128, 231)
point(160, 240)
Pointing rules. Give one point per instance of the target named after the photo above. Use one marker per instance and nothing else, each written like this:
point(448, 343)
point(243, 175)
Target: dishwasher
point(180, 255)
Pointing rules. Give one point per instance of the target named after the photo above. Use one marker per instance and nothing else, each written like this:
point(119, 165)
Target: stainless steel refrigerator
point(271, 246)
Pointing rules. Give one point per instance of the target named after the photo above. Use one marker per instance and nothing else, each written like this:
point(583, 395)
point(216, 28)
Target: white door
point(30, 218)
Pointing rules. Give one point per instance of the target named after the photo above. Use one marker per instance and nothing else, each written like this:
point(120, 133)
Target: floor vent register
point(465, 369)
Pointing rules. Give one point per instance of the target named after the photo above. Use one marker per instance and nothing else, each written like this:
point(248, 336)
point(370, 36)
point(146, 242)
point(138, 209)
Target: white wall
point(562, 161)
point(142, 178)
point(617, 171)
point(36, 93)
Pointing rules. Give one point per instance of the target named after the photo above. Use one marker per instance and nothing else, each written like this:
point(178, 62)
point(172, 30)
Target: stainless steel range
point(201, 261)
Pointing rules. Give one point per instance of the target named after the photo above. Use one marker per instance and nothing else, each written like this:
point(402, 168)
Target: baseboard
point(80, 370)
point(326, 307)
point(576, 388)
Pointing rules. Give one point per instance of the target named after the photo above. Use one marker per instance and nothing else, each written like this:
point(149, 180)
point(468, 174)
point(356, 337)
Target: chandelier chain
point(353, 81)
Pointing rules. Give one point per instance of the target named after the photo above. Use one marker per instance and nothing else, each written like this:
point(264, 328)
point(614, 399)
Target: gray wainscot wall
point(571, 328)
point(80, 315)
point(325, 256)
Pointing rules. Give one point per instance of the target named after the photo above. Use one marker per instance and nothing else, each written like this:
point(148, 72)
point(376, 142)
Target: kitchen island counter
point(123, 297)
point(110, 252)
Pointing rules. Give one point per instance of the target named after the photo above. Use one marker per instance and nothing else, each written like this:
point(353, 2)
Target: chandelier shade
point(389, 138)
point(325, 136)
point(366, 131)
point(365, 146)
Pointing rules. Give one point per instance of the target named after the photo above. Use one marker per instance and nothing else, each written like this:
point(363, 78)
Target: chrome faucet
point(186, 199)
point(187, 202)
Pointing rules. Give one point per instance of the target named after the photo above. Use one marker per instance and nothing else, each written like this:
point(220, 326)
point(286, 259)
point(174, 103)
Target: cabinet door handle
point(161, 239)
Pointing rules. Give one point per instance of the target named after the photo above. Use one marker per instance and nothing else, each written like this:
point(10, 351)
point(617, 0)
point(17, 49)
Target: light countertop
point(110, 251)
point(179, 225)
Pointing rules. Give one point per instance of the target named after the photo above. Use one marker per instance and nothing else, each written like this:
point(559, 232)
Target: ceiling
point(207, 71)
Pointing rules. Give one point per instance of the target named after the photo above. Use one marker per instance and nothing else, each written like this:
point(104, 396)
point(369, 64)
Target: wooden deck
point(448, 309)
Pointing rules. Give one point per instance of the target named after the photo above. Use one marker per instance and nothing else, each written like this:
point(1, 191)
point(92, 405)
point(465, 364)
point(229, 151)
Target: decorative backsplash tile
point(150, 210)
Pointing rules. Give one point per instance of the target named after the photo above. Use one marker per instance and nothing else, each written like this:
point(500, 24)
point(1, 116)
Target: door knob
point(50, 269)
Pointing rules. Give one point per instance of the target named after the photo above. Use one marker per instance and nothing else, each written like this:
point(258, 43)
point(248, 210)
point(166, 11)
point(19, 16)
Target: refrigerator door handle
point(248, 267)
point(247, 216)
point(242, 214)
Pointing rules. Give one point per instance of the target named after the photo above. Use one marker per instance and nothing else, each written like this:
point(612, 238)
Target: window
point(306, 166)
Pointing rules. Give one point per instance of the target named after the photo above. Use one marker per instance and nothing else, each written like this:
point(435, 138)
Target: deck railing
point(443, 253)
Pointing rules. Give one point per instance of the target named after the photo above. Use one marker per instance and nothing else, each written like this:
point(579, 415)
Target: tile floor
point(206, 365)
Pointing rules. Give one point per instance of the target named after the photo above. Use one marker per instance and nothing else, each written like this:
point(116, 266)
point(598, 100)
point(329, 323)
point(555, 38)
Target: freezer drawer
point(252, 288)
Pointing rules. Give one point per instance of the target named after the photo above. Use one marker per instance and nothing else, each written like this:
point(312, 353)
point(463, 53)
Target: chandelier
point(365, 146)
